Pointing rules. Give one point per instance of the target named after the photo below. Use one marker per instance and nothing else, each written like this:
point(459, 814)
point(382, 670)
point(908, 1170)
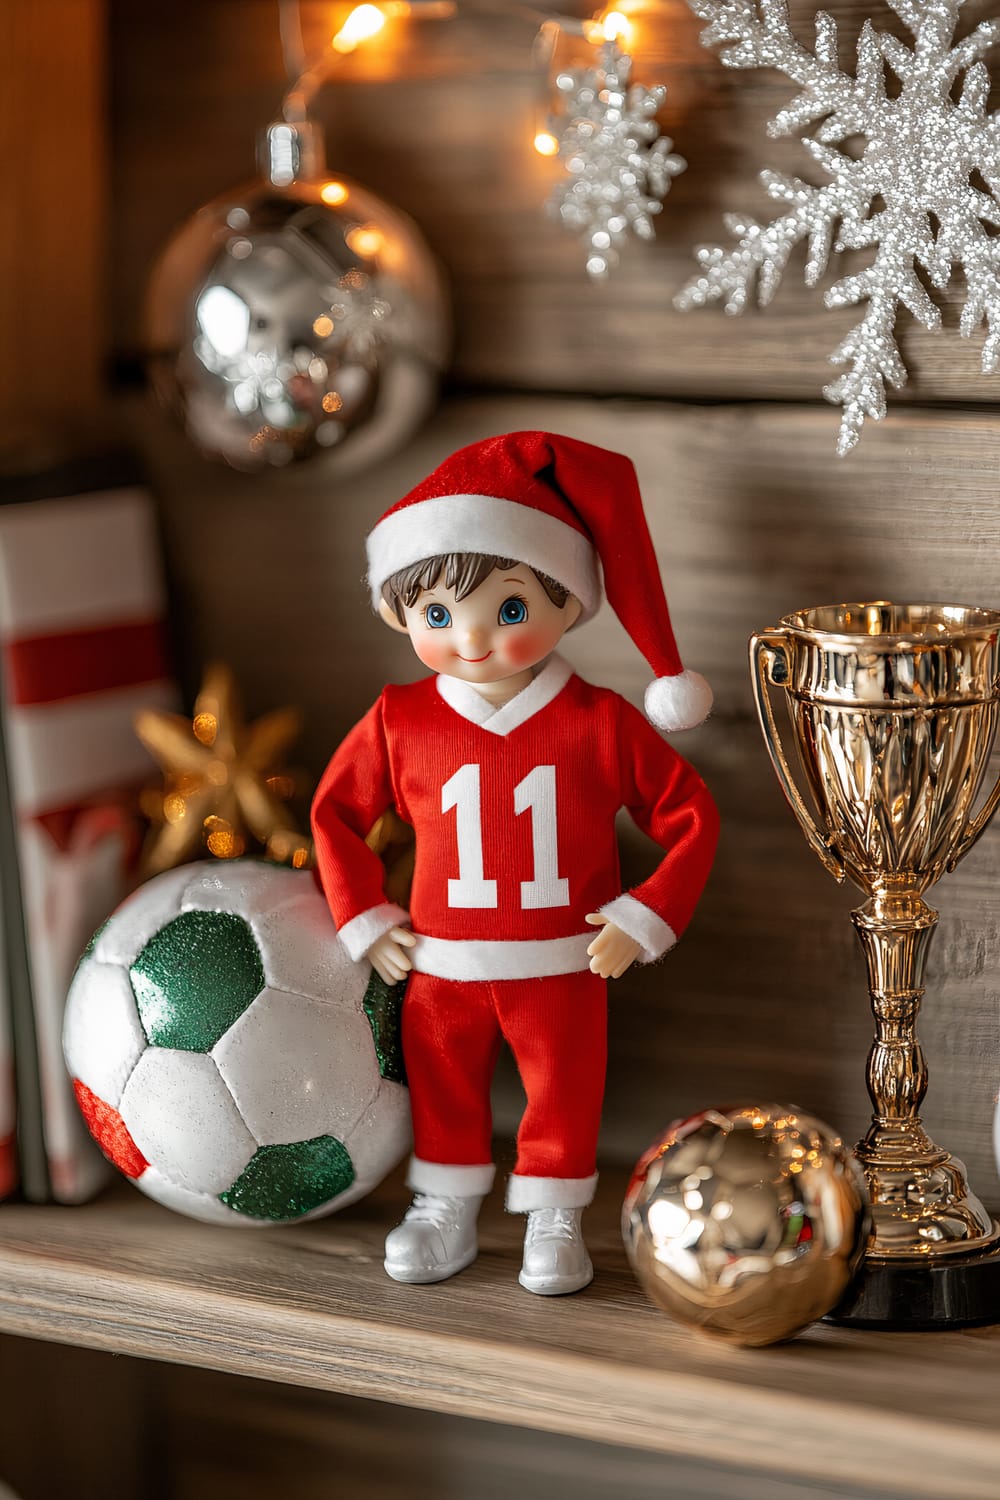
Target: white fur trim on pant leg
point(527, 1193)
point(360, 932)
point(641, 923)
point(446, 1181)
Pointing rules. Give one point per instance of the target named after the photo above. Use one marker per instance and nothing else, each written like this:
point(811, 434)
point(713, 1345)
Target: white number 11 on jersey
point(535, 794)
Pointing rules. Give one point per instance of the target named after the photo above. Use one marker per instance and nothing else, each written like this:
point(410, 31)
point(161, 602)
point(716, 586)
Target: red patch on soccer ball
point(109, 1131)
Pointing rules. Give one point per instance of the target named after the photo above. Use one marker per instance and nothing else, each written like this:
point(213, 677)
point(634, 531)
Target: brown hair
point(462, 571)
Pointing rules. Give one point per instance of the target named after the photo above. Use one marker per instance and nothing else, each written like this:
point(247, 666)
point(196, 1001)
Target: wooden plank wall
point(53, 250)
point(439, 116)
point(752, 513)
point(765, 995)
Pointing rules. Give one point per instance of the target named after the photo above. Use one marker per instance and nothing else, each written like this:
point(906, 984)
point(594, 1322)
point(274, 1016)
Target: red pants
point(557, 1031)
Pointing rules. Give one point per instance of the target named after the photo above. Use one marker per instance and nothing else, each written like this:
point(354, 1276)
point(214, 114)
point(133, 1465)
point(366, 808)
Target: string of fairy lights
point(299, 316)
point(601, 124)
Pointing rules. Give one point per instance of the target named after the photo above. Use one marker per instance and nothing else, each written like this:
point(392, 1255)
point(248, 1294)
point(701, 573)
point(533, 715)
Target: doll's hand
point(612, 951)
point(388, 956)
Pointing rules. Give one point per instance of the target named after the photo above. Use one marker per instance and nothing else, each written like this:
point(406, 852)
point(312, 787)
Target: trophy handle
point(976, 827)
point(765, 650)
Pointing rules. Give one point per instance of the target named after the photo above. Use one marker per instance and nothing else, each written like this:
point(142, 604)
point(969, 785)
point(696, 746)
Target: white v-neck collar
point(463, 698)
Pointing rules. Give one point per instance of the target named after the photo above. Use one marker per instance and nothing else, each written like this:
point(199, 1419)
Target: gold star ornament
point(225, 791)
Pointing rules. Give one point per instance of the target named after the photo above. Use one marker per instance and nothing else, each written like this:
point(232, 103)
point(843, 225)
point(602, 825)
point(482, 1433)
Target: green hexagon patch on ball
point(285, 1182)
point(195, 977)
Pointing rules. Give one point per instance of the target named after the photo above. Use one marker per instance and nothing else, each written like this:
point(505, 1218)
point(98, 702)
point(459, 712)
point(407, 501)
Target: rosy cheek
point(432, 650)
point(525, 646)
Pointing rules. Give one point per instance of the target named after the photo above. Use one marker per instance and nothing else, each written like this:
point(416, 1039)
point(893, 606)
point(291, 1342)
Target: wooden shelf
point(311, 1306)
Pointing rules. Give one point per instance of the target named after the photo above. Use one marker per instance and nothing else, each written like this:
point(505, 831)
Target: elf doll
point(511, 770)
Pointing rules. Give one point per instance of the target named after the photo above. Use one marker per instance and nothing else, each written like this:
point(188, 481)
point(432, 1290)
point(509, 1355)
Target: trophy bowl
point(894, 709)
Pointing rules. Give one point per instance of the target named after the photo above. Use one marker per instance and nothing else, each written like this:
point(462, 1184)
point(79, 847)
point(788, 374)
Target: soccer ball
point(226, 1053)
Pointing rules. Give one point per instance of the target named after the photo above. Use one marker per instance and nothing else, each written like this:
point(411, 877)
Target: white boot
point(555, 1257)
point(436, 1239)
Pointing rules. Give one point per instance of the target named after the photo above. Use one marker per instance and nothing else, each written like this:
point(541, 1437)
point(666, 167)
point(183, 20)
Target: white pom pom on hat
point(560, 506)
point(679, 702)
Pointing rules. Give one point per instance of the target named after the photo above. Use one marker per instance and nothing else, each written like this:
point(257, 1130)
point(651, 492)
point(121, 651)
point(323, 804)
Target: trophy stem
point(921, 1202)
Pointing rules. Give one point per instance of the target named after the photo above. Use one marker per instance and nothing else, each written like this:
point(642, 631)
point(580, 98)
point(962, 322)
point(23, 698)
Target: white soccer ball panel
point(184, 1121)
point(381, 1138)
point(140, 915)
point(298, 1067)
point(244, 886)
point(102, 1036)
point(301, 951)
point(204, 1206)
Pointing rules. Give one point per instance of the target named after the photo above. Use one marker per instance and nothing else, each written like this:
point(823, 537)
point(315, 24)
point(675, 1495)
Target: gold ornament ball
point(747, 1222)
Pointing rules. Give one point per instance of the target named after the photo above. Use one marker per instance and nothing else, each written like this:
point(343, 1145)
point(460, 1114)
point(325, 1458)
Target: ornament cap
point(288, 153)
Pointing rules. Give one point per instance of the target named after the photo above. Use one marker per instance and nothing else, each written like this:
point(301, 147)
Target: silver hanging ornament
point(297, 316)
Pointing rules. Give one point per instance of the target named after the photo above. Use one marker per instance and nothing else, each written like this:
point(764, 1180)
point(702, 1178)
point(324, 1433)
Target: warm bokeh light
point(206, 727)
point(332, 401)
point(546, 144)
point(222, 841)
point(174, 807)
point(323, 326)
point(364, 22)
point(616, 27)
point(365, 240)
point(612, 26)
point(333, 193)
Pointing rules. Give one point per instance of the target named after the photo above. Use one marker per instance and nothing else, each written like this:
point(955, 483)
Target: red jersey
point(514, 813)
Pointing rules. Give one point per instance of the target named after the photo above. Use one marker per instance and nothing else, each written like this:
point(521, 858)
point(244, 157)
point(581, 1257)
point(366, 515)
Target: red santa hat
point(560, 506)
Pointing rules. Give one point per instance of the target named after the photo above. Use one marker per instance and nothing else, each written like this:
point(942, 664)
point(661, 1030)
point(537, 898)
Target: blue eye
point(513, 612)
point(437, 617)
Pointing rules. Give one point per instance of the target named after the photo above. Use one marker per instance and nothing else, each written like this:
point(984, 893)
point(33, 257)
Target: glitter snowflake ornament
point(909, 194)
point(619, 166)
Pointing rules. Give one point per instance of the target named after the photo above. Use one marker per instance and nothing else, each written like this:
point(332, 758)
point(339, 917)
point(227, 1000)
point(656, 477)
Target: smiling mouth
point(472, 658)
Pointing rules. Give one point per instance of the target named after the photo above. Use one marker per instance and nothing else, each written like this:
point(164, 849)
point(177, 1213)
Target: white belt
point(539, 958)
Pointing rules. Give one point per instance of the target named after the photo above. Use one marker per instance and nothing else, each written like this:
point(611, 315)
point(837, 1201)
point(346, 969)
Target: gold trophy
point(894, 709)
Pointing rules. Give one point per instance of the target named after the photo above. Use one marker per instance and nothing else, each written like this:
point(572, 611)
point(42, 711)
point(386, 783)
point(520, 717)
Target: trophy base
point(955, 1291)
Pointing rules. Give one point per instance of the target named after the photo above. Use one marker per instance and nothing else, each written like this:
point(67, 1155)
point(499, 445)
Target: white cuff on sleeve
point(360, 932)
point(642, 925)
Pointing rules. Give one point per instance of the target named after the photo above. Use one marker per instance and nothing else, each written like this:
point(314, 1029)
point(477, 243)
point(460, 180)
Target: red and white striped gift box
point(83, 648)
